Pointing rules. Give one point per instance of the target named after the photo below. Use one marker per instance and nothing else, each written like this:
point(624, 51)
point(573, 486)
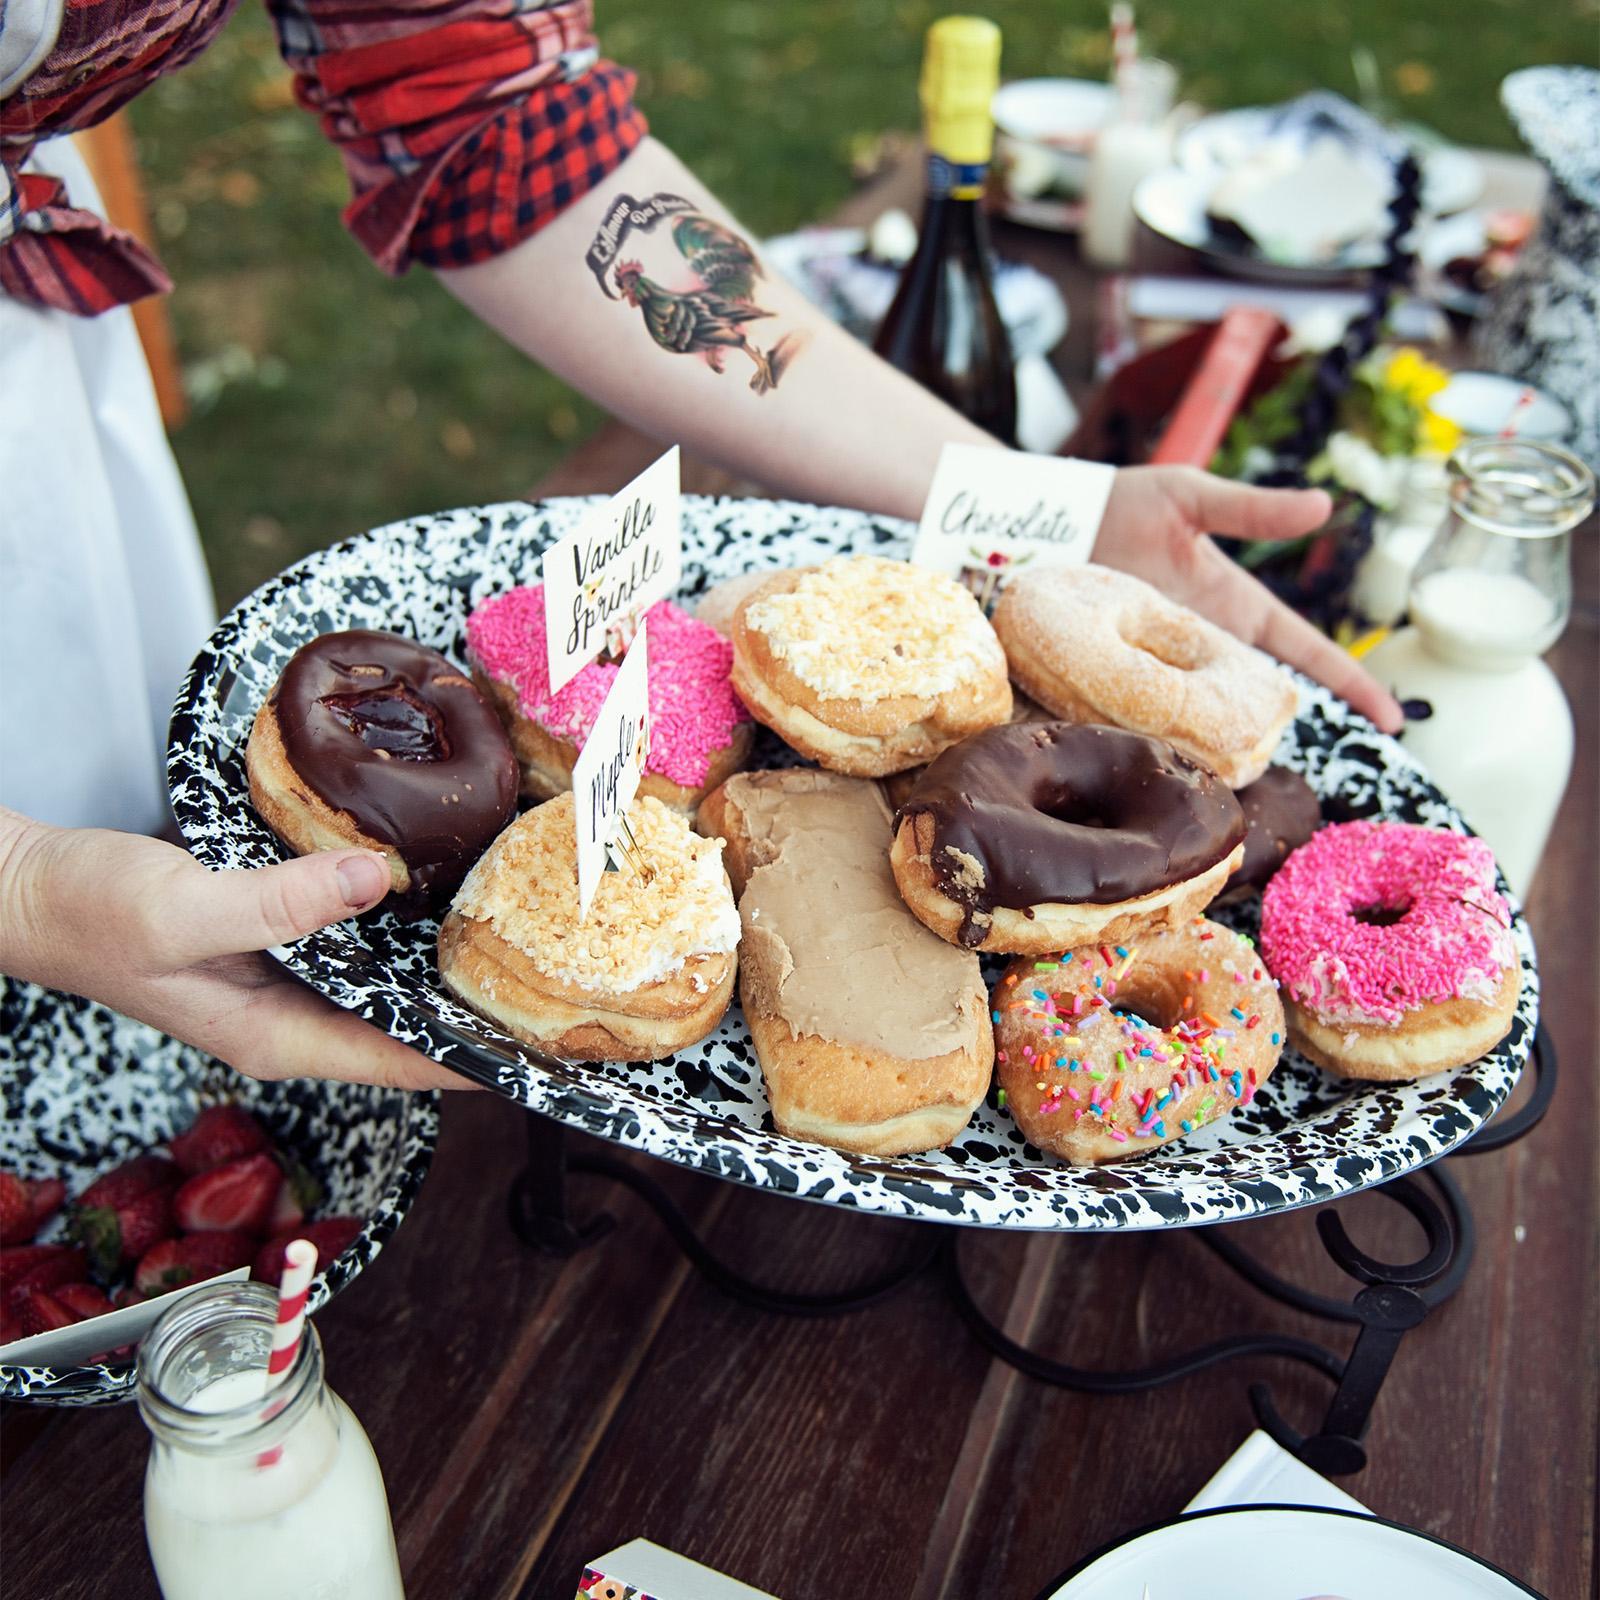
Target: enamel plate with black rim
point(1307, 1136)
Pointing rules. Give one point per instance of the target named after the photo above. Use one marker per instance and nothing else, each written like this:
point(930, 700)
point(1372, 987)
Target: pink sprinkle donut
point(702, 733)
point(1393, 948)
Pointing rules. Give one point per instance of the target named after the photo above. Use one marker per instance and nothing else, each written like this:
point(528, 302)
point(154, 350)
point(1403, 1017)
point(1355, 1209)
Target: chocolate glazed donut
point(1084, 830)
point(398, 740)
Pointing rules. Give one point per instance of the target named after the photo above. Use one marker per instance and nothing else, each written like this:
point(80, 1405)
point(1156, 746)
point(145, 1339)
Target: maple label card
point(992, 511)
point(606, 775)
point(601, 578)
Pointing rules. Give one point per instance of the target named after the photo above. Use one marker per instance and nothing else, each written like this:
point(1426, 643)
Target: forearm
point(837, 425)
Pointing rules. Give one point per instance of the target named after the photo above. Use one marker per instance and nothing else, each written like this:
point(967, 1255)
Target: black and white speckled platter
point(82, 1088)
point(1307, 1137)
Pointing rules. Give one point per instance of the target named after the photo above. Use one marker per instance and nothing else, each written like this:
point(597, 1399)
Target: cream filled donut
point(1095, 645)
point(648, 971)
point(868, 666)
point(1393, 947)
point(701, 733)
point(1107, 1052)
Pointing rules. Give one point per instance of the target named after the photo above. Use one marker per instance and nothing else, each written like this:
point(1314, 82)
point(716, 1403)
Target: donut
point(717, 606)
point(371, 740)
point(1109, 1051)
point(1281, 811)
point(1393, 947)
point(700, 735)
point(872, 1034)
point(898, 785)
point(1093, 645)
point(868, 666)
point(647, 972)
point(1045, 836)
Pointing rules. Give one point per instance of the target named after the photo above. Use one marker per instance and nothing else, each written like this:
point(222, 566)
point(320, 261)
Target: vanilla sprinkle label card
point(991, 512)
point(601, 578)
point(606, 775)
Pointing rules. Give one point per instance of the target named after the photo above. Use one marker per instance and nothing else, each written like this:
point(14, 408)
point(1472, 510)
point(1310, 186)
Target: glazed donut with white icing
point(1093, 645)
point(647, 972)
point(872, 1033)
point(868, 666)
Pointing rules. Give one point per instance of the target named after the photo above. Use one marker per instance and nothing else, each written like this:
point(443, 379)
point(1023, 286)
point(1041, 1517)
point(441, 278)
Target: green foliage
point(330, 399)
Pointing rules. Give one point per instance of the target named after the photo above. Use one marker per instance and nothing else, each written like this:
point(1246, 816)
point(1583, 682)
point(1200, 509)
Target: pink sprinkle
point(693, 708)
point(1118, 1135)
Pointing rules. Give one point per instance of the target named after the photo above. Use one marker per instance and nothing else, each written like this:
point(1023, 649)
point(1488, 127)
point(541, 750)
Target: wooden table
point(533, 1412)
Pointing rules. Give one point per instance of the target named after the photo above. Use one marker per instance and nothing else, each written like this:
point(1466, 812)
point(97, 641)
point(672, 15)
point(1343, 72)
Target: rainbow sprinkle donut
point(1393, 949)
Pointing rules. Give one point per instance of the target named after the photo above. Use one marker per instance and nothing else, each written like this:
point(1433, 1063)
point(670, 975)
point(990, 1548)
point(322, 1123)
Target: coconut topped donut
point(700, 731)
point(1095, 645)
point(866, 665)
point(637, 931)
point(1043, 836)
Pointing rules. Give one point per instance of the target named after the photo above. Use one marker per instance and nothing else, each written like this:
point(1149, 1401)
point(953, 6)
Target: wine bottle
point(943, 327)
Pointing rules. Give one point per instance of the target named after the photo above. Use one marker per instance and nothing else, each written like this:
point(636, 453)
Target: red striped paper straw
point(1124, 41)
point(1508, 429)
point(300, 1266)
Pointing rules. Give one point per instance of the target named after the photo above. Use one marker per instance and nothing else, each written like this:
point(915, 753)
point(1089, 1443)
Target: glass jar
point(1494, 588)
point(249, 1493)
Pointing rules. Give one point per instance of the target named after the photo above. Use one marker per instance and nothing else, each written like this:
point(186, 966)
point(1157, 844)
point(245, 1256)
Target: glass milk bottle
point(1489, 597)
point(1136, 142)
point(244, 1505)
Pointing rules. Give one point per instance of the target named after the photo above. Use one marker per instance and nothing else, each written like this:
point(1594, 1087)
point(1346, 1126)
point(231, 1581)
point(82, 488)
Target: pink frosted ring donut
point(701, 731)
point(1393, 949)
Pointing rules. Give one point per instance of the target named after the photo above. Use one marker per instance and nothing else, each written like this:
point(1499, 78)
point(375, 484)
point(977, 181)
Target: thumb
point(224, 913)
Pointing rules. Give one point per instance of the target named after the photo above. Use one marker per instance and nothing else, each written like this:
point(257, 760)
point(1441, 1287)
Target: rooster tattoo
point(710, 318)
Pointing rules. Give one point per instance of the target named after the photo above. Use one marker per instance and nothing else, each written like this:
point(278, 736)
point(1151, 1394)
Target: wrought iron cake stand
point(1393, 1298)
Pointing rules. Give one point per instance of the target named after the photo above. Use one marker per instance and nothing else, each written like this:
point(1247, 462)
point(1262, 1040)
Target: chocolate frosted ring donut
point(1043, 836)
point(374, 741)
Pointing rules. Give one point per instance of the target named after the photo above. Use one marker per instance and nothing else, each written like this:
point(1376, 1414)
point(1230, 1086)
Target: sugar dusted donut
point(1044, 836)
point(1108, 1052)
point(701, 733)
point(868, 666)
point(1095, 645)
point(375, 741)
point(648, 971)
point(1393, 947)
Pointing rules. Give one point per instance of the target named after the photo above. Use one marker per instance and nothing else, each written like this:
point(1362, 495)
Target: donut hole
point(1171, 640)
point(1150, 997)
point(1380, 916)
point(393, 723)
point(1074, 808)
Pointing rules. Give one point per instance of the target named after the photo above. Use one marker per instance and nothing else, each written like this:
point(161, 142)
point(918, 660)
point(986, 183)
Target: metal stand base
point(1394, 1297)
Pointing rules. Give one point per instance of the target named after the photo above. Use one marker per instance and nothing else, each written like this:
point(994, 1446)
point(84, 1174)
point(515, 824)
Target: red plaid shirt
point(465, 126)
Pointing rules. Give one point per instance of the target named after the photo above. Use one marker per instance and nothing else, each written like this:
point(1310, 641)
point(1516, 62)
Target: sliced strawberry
point(130, 1180)
point(220, 1134)
point(239, 1195)
point(45, 1196)
point(124, 1298)
point(118, 1236)
point(83, 1298)
point(11, 1327)
point(41, 1266)
point(299, 1194)
point(41, 1311)
point(331, 1236)
point(175, 1262)
point(16, 1210)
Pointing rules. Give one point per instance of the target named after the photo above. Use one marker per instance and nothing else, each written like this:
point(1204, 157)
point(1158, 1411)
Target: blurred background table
point(532, 1413)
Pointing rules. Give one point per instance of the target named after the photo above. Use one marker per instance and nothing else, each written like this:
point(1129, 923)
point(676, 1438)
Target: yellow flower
point(1436, 435)
point(1411, 374)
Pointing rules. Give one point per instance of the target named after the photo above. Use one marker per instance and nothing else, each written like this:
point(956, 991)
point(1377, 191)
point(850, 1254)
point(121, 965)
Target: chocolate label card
point(992, 512)
point(601, 578)
point(606, 775)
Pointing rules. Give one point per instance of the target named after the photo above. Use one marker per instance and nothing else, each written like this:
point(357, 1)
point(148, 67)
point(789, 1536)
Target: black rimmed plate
point(1307, 1137)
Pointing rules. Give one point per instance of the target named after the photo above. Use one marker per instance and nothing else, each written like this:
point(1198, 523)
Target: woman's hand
point(1158, 526)
point(143, 927)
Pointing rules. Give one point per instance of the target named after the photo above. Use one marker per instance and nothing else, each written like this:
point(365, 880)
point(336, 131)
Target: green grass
point(328, 398)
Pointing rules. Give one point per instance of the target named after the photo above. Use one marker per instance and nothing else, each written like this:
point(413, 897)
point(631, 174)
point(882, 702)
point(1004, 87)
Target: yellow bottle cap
point(960, 73)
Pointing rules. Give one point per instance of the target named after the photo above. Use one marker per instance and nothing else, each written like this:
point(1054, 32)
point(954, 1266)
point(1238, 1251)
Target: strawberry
point(118, 1236)
point(175, 1262)
point(44, 1198)
point(299, 1193)
point(84, 1299)
point(39, 1311)
point(124, 1298)
point(239, 1195)
point(130, 1180)
point(331, 1236)
point(40, 1266)
point(16, 1210)
point(220, 1134)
